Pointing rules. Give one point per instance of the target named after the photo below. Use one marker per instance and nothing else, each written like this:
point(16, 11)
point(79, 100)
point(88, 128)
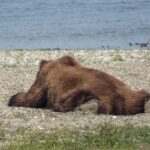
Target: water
point(73, 24)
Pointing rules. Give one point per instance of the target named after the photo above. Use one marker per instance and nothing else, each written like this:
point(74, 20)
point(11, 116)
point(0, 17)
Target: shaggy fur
point(63, 84)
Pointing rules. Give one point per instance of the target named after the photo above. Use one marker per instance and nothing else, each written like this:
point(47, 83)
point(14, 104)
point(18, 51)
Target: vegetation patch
point(104, 137)
point(117, 57)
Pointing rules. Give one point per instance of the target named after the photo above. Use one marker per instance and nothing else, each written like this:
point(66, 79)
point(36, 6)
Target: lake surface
point(34, 24)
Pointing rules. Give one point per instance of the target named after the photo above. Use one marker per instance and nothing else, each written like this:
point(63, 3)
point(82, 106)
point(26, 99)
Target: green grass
point(117, 56)
point(106, 137)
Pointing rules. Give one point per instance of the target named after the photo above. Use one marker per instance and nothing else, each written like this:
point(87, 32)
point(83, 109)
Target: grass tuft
point(117, 57)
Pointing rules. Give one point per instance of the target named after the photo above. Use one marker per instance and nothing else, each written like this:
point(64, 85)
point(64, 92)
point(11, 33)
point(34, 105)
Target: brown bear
point(63, 84)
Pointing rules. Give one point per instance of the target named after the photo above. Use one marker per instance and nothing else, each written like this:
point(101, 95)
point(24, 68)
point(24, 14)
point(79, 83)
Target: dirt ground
point(15, 79)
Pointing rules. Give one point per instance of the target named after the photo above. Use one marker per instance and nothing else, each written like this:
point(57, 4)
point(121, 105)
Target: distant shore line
point(74, 49)
point(24, 57)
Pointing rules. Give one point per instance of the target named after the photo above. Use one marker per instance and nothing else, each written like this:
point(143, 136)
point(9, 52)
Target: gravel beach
point(18, 69)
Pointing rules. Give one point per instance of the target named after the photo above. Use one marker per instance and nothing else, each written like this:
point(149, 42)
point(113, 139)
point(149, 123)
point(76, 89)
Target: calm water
point(73, 23)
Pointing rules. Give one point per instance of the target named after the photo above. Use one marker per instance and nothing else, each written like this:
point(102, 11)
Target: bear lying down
point(63, 84)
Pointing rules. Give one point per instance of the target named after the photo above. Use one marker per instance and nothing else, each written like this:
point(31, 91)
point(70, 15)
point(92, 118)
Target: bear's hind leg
point(104, 105)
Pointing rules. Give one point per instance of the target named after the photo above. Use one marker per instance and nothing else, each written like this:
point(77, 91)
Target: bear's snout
point(12, 100)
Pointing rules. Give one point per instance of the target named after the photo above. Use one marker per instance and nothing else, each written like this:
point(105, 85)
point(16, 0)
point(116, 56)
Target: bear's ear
point(68, 60)
point(42, 63)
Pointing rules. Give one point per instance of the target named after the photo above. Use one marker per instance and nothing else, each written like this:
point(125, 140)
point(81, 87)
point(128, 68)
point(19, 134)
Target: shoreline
point(22, 58)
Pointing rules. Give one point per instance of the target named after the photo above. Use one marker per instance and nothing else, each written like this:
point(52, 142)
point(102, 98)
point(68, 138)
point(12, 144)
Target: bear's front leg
point(72, 99)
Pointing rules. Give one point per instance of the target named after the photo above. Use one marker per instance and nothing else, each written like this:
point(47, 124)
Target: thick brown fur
point(63, 84)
